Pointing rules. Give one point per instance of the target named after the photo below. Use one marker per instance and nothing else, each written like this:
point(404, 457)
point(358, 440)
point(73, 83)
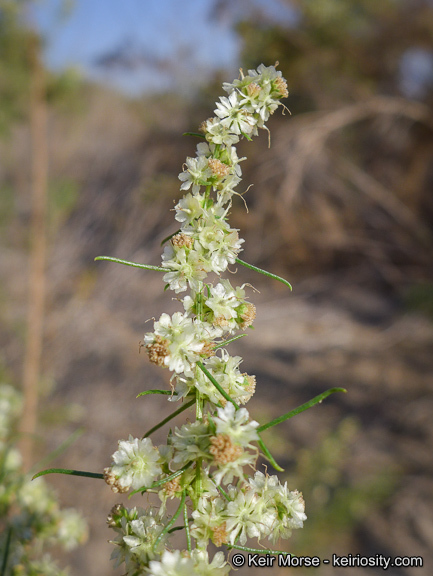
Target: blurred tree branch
point(36, 294)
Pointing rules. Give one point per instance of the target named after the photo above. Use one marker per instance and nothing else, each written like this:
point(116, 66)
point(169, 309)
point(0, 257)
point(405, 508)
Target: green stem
point(224, 493)
point(134, 264)
point(269, 456)
point(217, 386)
point(264, 272)
point(299, 409)
point(6, 552)
point(187, 531)
point(198, 405)
point(70, 472)
point(198, 481)
point(161, 424)
point(172, 521)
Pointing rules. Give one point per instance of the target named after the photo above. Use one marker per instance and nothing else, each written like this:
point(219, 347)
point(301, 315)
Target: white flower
point(72, 528)
point(226, 188)
point(197, 174)
point(135, 465)
point(236, 424)
point(288, 507)
point(230, 157)
point(246, 517)
point(189, 208)
point(223, 301)
point(190, 442)
point(259, 92)
point(233, 468)
point(35, 497)
point(265, 74)
point(177, 342)
point(263, 484)
point(209, 521)
point(218, 566)
point(234, 117)
point(46, 566)
point(291, 515)
point(225, 370)
point(217, 133)
point(142, 535)
point(172, 564)
point(185, 268)
point(12, 459)
point(221, 243)
point(10, 408)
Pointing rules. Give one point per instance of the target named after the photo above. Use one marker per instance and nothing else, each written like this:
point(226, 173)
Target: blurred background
point(94, 98)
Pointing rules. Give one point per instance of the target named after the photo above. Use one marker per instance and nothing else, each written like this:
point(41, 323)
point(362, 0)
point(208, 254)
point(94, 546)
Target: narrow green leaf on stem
point(187, 531)
point(269, 456)
point(264, 272)
point(169, 237)
point(224, 493)
point(69, 472)
point(316, 400)
point(6, 551)
point(222, 344)
point(179, 411)
point(172, 521)
point(176, 529)
point(194, 134)
point(217, 386)
point(165, 392)
point(133, 264)
point(258, 550)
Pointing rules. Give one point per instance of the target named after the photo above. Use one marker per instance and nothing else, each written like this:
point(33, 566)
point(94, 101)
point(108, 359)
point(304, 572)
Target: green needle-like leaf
point(222, 344)
point(194, 134)
point(217, 386)
point(179, 411)
point(301, 408)
point(269, 456)
point(165, 392)
point(169, 237)
point(224, 493)
point(264, 272)
point(172, 521)
point(133, 264)
point(70, 472)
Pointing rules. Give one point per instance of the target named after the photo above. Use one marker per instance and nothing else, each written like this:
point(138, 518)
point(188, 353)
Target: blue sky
point(166, 43)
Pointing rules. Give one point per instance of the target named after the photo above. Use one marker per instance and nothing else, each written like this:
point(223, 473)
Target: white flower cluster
point(30, 514)
point(261, 508)
point(205, 460)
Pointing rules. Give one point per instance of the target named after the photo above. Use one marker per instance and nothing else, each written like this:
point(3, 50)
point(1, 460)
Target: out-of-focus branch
point(309, 132)
point(36, 290)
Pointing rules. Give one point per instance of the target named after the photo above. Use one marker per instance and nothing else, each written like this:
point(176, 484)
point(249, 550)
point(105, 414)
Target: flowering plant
point(31, 520)
point(203, 463)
